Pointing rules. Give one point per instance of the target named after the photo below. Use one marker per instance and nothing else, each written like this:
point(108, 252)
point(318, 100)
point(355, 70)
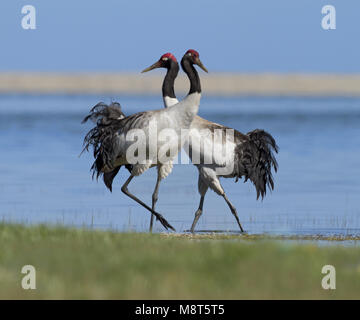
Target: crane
point(114, 134)
point(249, 155)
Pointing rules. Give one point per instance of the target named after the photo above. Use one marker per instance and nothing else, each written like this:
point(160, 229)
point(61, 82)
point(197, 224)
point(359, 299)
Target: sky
point(252, 36)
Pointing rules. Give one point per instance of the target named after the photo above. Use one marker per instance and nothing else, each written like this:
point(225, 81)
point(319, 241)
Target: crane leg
point(198, 213)
point(154, 200)
point(233, 211)
point(125, 190)
point(202, 188)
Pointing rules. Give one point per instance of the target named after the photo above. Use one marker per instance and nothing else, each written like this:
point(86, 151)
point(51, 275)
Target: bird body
point(142, 140)
point(176, 118)
point(222, 152)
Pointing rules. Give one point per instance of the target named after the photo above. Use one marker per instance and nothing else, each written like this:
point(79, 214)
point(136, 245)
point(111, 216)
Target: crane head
point(164, 62)
point(193, 56)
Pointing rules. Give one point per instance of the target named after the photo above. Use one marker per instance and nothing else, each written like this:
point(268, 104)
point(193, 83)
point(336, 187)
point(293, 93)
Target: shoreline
point(216, 84)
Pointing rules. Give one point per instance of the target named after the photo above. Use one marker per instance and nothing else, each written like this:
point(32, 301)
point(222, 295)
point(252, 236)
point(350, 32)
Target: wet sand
point(217, 84)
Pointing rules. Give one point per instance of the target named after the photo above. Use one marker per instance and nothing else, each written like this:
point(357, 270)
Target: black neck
point(192, 74)
point(168, 83)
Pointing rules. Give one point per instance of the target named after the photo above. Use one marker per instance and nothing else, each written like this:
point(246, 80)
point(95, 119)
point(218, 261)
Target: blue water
point(317, 189)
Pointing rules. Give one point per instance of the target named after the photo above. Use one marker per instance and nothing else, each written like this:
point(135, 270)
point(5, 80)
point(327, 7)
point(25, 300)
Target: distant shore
point(216, 84)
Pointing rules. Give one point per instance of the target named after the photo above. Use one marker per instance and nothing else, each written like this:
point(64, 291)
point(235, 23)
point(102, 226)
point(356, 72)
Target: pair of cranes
point(249, 155)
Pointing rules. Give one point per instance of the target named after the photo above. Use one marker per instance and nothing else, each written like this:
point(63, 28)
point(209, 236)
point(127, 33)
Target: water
point(316, 189)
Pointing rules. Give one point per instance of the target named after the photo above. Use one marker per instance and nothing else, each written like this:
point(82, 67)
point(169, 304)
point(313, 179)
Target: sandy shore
point(223, 84)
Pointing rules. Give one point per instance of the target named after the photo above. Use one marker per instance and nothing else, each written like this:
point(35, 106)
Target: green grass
point(83, 264)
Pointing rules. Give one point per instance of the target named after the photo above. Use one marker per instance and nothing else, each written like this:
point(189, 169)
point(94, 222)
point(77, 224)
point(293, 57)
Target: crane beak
point(199, 63)
point(154, 66)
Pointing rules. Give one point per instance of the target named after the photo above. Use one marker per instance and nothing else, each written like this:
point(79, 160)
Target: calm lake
point(317, 187)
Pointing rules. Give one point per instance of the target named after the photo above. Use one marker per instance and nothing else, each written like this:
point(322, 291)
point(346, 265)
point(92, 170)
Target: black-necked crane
point(114, 134)
point(249, 155)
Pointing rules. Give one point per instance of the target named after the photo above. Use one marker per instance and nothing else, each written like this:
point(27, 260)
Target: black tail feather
point(109, 176)
point(100, 138)
point(104, 114)
point(255, 159)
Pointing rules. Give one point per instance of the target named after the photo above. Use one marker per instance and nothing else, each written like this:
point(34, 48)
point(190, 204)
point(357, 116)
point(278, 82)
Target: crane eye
point(189, 54)
point(165, 59)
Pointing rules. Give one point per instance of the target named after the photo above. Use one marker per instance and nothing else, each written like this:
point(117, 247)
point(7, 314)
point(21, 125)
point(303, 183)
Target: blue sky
point(231, 36)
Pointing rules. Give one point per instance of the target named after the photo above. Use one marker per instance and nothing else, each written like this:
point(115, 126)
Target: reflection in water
point(316, 188)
